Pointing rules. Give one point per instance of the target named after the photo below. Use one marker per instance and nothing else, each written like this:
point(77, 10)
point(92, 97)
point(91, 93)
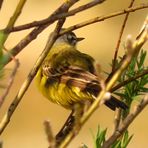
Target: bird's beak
point(80, 39)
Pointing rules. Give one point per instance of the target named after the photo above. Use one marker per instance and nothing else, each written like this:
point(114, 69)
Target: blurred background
point(26, 127)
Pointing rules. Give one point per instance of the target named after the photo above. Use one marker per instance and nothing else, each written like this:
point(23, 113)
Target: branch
point(145, 72)
point(49, 133)
point(54, 18)
point(118, 111)
point(66, 128)
point(34, 70)
point(127, 121)
point(10, 82)
point(120, 36)
point(16, 14)
point(4, 35)
point(31, 36)
point(102, 18)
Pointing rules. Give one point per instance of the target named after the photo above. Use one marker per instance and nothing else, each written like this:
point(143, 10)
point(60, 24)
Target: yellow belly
point(62, 94)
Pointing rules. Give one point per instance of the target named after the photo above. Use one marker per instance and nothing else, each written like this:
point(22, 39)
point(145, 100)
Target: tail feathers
point(114, 103)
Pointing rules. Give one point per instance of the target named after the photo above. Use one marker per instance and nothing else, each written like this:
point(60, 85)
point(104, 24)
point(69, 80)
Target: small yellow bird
point(68, 76)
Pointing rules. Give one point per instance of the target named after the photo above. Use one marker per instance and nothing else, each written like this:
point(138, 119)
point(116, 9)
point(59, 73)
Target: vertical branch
point(11, 79)
point(117, 119)
point(120, 36)
point(3, 34)
point(50, 136)
point(118, 111)
point(34, 70)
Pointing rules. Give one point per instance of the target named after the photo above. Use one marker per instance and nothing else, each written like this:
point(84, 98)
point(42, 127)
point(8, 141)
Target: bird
point(68, 76)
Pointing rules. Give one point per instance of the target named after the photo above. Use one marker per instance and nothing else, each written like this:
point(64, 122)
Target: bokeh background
point(26, 128)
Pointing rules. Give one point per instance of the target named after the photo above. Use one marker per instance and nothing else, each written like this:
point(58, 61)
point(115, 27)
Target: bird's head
point(69, 38)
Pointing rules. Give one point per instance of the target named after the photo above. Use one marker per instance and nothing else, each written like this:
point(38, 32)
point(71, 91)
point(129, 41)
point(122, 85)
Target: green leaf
point(123, 142)
point(100, 137)
point(140, 63)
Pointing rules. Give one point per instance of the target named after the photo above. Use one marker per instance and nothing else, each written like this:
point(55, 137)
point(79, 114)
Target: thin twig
point(33, 72)
point(104, 17)
point(11, 79)
point(16, 14)
point(120, 36)
point(117, 119)
point(13, 18)
point(54, 18)
point(127, 121)
point(137, 76)
point(50, 136)
point(10, 24)
point(118, 111)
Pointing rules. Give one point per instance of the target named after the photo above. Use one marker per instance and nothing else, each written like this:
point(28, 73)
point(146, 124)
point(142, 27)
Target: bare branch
point(54, 18)
point(145, 72)
point(120, 36)
point(127, 121)
point(117, 119)
point(50, 136)
point(102, 18)
point(118, 111)
point(10, 24)
point(16, 14)
point(10, 82)
point(32, 73)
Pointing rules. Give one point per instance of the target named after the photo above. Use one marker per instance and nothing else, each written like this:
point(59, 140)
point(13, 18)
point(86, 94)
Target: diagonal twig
point(32, 73)
point(49, 134)
point(54, 18)
point(118, 111)
point(145, 72)
point(10, 24)
point(104, 17)
point(10, 81)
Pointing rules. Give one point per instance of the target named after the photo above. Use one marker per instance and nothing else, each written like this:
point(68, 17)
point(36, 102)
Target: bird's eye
point(71, 39)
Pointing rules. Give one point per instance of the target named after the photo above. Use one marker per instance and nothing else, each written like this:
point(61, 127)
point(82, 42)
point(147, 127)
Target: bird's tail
point(114, 103)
